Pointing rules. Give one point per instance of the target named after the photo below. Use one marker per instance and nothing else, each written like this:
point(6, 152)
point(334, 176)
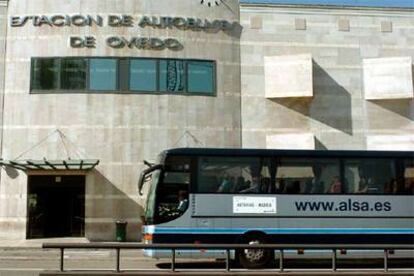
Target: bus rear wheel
point(255, 258)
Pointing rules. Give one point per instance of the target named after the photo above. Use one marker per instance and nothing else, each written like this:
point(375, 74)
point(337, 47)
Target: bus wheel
point(255, 258)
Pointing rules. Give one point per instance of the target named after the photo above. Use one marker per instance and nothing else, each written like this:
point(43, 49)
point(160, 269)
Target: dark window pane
point(172, 77)
point(408, 178)
point(73, 74)
point(372, 176)
point(200, 77)
point(103, 74)
point(45, 74)
point(244, 175)
point(143, 75)
point(309, 176)
point(172, 192)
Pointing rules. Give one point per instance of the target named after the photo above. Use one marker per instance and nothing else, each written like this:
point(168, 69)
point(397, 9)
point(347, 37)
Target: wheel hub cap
point(254, 255)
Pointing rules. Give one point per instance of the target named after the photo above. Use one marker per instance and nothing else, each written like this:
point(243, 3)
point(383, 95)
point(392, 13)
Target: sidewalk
point(37, 243)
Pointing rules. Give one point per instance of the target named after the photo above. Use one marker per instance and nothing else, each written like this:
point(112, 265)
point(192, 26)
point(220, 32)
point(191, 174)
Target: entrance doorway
point(56, 206)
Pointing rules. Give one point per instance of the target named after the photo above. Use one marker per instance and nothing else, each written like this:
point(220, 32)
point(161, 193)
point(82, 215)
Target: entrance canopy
point(70, 164)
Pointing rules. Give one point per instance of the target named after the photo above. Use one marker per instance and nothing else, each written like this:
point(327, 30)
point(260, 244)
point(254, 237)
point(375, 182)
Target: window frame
point(123, 82)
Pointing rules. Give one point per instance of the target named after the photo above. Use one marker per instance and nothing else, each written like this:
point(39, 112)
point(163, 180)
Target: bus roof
point(293, 153)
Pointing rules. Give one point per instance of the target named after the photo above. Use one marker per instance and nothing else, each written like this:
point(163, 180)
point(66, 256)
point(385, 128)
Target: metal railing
point(227, 247)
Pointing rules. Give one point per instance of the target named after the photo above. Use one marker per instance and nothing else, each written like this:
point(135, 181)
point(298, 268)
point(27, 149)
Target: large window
point(122, 75)
point(296, 175)
point(103, 74)
point(143, 75)
point(172, 76)
point(45, 74)
point(200, 77)
point(309, 176)
point(370, 176)
point(73, 73)
point(244, 175)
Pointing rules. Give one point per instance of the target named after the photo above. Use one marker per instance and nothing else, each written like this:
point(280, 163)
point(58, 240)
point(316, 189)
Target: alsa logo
point(343, 206)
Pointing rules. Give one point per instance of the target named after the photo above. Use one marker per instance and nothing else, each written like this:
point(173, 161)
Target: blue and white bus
point(206, 195)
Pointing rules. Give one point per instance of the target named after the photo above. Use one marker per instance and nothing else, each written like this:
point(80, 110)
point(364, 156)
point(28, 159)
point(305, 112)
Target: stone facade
point(119, 130)
point(339, 40)
point(3, 33)
point(326, 110)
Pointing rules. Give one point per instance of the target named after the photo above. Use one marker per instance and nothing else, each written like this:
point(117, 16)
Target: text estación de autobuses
point(162, 22)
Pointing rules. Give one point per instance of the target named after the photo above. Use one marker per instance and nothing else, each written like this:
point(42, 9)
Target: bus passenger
point(365, 182)
point(265, 186)
point(316, 185)
point(293, 187)
point(388, 187)
point(280, 186)
point(226, 185)
point(240, 184)
point(393, 187)
point(336, 186)
point(408, 187)
point(254, 186)
point(182, 201)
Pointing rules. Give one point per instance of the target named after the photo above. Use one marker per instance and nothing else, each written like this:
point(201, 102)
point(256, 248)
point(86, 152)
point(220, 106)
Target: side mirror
point(144, 174)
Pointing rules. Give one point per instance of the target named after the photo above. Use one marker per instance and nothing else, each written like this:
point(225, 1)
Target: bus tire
point(255, 258)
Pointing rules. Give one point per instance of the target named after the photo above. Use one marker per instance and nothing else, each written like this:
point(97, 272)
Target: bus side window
point(265, 185)
point(408, 177)
point(227, 184)
point(297, 175)
point(233, 175)
point(241, 184)
point(280, 186)
point(409, 187)
point(371, 176)
point(293, 187)
point(352, 178)
point(210, 183)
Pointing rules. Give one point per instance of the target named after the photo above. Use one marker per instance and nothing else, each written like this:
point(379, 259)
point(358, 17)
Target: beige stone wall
point(3, 34)
point(119, 130)
point(122, 130)
point(339, 39)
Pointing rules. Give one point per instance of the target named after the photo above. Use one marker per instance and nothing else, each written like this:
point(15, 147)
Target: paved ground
point(27, 258)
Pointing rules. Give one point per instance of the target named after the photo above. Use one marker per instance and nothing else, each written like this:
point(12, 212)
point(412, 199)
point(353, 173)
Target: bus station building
point(89, 89)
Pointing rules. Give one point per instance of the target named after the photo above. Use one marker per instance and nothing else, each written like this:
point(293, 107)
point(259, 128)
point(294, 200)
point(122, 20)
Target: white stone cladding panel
point(337, 114)
point(305, 141)
point(391, 142)
point(288, 76)
point(388, 78)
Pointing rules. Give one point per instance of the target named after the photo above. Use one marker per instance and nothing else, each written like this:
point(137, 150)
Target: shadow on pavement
point(299, 264)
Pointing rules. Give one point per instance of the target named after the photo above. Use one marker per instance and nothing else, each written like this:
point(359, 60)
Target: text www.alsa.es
point(343, 206)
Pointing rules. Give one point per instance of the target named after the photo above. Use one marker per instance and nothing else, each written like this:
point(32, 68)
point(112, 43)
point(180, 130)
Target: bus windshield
point(168, 195)
point(150, 206)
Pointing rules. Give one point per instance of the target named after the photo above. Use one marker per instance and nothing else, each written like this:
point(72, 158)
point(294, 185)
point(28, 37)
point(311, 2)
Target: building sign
point(254, 205)
point(193, 24)
point(126, 21)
